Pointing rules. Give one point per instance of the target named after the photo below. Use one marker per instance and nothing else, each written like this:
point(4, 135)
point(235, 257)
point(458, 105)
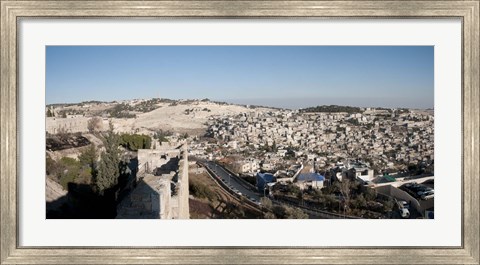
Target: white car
point(427, 195)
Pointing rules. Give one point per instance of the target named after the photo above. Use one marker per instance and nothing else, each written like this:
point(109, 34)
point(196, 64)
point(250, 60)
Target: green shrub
point(70, 169)
point(68, 177)
point(69, 162)
point(134, 142)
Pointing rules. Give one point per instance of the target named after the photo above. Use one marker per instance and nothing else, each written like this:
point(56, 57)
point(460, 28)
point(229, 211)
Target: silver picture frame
point(13, 11)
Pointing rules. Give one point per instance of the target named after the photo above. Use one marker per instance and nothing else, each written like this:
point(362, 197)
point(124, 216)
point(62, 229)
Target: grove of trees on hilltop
point(332, 109)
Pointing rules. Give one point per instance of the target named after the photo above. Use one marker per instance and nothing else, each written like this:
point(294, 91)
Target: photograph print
point(239, 132)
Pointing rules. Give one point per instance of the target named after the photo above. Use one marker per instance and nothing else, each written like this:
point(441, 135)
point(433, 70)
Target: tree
point(344, 188)
point(161, 135)
point(108, 167)
point(318, 195)
point(360, 202)
point(266, 202)
point(89, 158)
point(370, 194)
point(134, 142)
point(279, 211)
point(95, 124)
point(50, 113)
point(299, 195)
point(287, 212)
point(274, 147)
point(294, 213)
point(388, 205)
point(269, 215)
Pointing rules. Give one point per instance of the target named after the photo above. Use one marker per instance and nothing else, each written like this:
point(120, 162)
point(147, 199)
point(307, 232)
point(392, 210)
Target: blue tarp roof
point(310, 177)
point(267, 177)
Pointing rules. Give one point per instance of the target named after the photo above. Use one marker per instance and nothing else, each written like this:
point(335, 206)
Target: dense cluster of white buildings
point(384, 139)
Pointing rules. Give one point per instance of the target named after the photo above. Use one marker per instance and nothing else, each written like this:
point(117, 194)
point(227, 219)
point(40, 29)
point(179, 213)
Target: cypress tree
point(108, 167)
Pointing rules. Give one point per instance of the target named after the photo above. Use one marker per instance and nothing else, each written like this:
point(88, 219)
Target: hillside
point(178, 116)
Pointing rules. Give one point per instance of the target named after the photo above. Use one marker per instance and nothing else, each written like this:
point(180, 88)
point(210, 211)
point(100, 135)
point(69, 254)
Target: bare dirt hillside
point(190, 117)
point(177, 116)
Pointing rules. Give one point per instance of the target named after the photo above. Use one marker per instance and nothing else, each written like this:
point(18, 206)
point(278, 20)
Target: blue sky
point(280, 76)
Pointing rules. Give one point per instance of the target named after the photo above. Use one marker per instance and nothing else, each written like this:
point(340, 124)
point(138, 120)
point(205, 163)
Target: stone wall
point(182, 211)
point(55, 125)
point(149, 160)
point(162, 190)
point(399, 194)
point(149, 200)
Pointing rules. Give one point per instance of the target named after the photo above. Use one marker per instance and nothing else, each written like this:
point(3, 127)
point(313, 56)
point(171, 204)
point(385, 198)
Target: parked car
point(410, 184)
point(423, 190)
point(427, 195)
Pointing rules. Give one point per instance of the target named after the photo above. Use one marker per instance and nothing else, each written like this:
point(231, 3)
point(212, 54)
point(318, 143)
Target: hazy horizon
point(278, 76)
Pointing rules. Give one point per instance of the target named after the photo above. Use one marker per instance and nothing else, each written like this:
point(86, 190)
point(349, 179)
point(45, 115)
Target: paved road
point(232, 181)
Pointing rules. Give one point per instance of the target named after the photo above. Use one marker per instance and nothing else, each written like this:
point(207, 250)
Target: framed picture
point(253, 132)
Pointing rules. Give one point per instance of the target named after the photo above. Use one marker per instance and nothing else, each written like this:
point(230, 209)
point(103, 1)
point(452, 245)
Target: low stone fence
point(399, 194)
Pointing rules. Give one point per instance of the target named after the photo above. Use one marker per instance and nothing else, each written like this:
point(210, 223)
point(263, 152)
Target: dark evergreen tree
point(49, 113)
point(108, 167)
